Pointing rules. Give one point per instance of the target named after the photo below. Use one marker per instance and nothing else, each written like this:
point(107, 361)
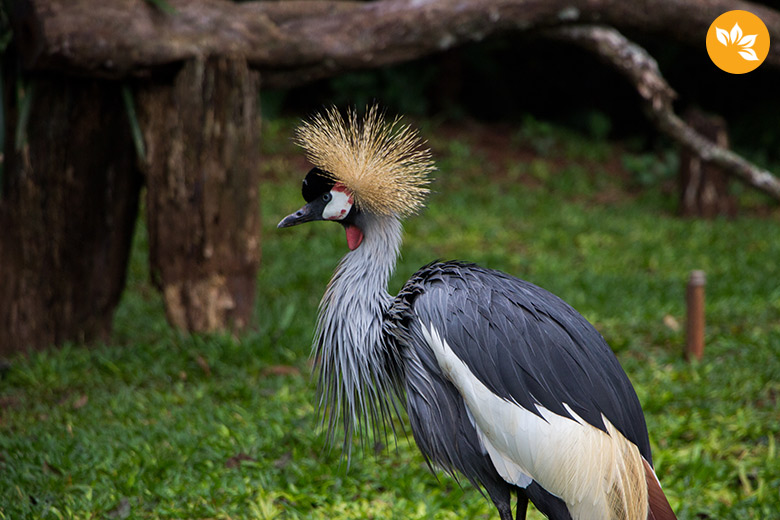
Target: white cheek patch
point(340, 203)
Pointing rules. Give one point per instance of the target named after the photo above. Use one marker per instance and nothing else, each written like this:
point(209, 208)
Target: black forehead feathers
point(315, 184)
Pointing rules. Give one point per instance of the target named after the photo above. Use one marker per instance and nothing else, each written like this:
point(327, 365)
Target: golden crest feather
point(385, 165)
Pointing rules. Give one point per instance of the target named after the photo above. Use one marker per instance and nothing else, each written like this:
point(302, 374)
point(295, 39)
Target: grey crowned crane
point(502, 381)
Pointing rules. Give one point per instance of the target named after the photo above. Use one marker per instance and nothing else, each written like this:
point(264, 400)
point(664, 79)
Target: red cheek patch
point(354, 237)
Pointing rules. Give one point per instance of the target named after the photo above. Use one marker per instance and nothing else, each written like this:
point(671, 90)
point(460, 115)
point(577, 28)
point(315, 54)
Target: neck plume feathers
point(358, 370)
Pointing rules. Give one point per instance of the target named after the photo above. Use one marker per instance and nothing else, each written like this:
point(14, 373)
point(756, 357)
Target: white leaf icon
point(736, 38)
point(736, 33)
point(748, 54)
point(748, 40)
point(723, 35)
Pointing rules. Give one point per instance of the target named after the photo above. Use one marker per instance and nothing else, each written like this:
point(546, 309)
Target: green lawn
point(160, 424)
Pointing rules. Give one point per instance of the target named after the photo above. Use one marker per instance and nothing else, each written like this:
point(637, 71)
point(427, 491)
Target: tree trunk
point(201, 163)
point(67, 211)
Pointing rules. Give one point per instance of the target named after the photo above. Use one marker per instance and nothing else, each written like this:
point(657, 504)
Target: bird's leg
point(522, 504)
point(501, 496)
point(504, 511)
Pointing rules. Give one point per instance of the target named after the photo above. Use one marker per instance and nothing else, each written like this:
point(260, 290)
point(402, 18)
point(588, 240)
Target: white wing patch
point(597, 474)
point(508, 470)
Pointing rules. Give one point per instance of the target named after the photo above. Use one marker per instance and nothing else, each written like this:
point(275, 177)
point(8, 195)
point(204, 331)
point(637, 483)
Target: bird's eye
point(327, 197)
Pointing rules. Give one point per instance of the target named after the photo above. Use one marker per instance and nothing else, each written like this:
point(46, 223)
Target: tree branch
point(295, 41)
point(642, 70)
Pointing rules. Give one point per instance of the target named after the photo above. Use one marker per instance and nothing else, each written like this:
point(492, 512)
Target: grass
point(161, 424)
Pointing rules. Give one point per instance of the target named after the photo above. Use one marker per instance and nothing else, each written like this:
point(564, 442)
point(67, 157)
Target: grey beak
point(306, 214)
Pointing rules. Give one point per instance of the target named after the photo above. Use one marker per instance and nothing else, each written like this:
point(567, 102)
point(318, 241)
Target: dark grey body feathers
point(523, 343)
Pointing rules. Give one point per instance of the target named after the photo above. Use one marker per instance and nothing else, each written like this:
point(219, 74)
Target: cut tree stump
point(704, 186)
point(67, 211)
point(202, 174)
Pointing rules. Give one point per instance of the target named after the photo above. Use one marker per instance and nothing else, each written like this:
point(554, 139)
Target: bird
point(501, 381)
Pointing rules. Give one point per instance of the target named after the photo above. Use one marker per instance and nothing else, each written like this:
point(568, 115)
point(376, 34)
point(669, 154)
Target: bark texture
point(67, 213)
point(202, 138)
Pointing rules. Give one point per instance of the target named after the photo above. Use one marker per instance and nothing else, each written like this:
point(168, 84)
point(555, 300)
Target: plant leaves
point(748, 40)
point(749, 54)
point(135, 126)
point(163, 6)
point(736, 33)
point(723, 35)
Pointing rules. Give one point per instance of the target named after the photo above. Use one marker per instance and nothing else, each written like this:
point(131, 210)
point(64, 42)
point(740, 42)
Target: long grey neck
point(349, 344)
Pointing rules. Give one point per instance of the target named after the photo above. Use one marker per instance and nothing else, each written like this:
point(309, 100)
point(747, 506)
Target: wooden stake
point(694, 348)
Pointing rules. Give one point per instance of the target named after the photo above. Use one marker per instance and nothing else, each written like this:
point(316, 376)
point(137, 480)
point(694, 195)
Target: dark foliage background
point(508, 78)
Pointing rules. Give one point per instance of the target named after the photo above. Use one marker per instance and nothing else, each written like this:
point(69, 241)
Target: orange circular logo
point(738, 42)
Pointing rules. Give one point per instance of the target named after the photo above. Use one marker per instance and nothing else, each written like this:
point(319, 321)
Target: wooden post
point(67, 210)
point(202, 175)
point(694, 348)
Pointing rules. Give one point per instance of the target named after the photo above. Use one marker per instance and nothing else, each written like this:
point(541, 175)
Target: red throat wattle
point(354, 237)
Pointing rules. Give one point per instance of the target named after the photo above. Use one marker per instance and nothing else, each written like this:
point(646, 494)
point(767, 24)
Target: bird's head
point(327, 199)
point(363, 167)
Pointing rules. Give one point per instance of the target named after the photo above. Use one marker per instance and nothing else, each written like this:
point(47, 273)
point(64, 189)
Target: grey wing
point(527, 346)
